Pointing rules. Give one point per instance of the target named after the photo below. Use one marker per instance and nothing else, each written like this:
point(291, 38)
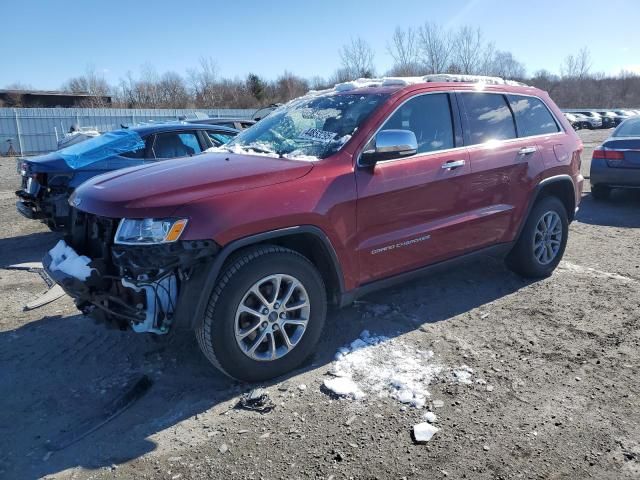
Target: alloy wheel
point(272, 317)
point(547, 238)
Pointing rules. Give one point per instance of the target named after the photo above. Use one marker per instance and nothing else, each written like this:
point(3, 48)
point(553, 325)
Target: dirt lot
point(527, 379)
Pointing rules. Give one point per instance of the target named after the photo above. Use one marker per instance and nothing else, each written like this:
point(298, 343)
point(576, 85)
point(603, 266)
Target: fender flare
point(536, 194)
point(215, 267)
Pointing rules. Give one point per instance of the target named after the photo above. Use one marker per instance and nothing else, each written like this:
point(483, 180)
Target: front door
point(412, 211)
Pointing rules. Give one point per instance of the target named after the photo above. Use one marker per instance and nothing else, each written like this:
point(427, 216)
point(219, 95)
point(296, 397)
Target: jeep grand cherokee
point(332, 196)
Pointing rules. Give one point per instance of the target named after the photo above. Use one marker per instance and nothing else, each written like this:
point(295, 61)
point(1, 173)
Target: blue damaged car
point(48, 180)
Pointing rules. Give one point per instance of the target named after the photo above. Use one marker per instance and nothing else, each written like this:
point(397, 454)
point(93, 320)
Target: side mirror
point(389, 144)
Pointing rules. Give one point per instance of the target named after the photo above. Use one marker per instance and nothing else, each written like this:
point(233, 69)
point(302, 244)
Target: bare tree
point(435, 48)
point(173, 91)
point(357, 59)
point(405, 51)
point(577, 66)
point(504, 64)
point(204, 83)
point(91, 83)
point(288, 86)
point(487, 65)
point(467, 44)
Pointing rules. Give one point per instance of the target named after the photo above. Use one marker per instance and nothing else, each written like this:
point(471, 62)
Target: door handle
point(527, 150)
point(451, 164)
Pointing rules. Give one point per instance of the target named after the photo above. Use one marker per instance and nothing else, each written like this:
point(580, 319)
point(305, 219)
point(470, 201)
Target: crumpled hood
point(160, 188)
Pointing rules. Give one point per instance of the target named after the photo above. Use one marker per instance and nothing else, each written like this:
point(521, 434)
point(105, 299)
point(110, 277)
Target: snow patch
point(359, 83)
point(239, 150)
point(569, 267)
point(385, 367)
point(430, 417)
point(344, 387)
point(463, 374)
point(66, 260)
point(423, 432)
point(405, 81)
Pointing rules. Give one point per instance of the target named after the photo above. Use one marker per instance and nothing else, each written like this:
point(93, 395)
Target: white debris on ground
point(344, 387)
point(463, 374)
point(569, 267)
point(423, 432)
point(65, 259)
point(378, 365)
point(430, 417)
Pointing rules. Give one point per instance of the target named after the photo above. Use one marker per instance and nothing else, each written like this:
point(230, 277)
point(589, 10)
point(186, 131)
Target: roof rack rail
point(404, 81)
point(450, 77)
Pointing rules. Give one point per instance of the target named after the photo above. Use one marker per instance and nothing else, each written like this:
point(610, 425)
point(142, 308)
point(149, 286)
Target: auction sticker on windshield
point(317, 135)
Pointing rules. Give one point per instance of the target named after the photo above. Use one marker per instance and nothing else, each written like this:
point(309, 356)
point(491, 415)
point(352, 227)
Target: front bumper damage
point(45, 197)
point(145, 288)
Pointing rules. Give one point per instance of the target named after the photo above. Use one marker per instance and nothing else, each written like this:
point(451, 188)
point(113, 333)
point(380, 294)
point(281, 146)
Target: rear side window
point(489, 117)
point(219, 138)
point(429, 117)
point(139, 153)
point(532, 116)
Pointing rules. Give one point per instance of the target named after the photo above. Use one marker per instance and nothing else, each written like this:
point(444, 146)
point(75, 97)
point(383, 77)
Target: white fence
point(30, 131)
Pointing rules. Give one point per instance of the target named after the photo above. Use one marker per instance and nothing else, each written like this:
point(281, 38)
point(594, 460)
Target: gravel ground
point(528, 379)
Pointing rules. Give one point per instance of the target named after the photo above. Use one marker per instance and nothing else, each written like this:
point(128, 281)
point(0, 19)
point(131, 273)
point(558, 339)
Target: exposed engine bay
point(126, 286)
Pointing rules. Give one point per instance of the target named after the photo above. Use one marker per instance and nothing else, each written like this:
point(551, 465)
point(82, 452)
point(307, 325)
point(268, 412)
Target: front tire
point(265, 315)
point(543, 240)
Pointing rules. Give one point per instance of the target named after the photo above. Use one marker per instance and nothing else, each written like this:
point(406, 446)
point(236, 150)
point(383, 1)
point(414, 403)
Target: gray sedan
point(616, 163)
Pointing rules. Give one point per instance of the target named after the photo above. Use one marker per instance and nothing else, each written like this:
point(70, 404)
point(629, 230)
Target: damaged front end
point(44, 196)
point(144, 287)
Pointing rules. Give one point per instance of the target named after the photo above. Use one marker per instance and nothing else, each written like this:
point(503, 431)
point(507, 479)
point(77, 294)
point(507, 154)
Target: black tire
point(522, 259)
point(216, 332)
point(600, 192)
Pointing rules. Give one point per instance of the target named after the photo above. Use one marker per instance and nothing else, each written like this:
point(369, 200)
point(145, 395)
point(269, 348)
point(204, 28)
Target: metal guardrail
point(31, 131)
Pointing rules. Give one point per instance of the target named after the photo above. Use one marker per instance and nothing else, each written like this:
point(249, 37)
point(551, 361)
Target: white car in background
point(588, 121)
point(573, 120)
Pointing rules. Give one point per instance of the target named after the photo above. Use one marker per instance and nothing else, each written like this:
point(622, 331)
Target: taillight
point(605, 154)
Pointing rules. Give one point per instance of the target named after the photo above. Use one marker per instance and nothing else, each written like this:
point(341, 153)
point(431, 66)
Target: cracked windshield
point(310, 128)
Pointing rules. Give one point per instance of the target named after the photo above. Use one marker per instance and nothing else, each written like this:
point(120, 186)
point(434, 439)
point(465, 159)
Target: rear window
point(532, 116)
point(489, 117)
point(628, 128)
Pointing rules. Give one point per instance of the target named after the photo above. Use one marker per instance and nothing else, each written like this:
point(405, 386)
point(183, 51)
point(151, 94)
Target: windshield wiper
point(260, 149)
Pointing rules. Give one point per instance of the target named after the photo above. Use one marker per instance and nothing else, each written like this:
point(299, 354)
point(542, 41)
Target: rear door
point(411, 210)
point(502, 166)
point(534, 121)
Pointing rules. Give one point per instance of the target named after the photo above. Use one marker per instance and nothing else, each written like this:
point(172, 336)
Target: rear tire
point(600, 192)
point(542, 241)
point(280, 339)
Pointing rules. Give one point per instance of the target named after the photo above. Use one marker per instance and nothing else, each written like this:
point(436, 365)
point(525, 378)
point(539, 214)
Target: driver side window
point(429, 118)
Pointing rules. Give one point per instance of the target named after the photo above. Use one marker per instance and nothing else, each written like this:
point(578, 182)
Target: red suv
point(330, 197)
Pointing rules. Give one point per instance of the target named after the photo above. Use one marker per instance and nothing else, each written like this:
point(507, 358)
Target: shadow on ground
point(59, 374)
point(622, 209)
point(26, 248)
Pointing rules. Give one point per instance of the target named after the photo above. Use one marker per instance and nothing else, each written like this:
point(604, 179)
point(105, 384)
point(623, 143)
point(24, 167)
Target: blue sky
point(42, 43)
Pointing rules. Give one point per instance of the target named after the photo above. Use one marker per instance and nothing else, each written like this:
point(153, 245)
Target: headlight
point(149, 231)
